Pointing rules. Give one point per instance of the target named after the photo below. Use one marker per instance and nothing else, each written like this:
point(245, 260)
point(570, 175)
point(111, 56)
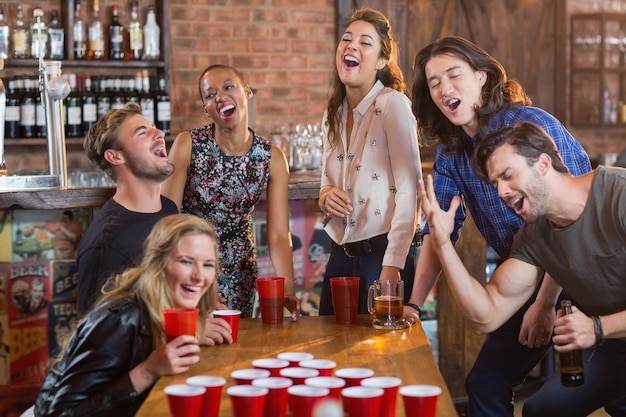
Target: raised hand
point(440, 222)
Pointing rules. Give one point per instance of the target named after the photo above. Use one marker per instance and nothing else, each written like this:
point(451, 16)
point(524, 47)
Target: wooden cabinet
point(598, 70)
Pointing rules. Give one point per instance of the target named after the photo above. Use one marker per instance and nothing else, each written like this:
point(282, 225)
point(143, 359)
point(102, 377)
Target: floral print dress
point(224, 190)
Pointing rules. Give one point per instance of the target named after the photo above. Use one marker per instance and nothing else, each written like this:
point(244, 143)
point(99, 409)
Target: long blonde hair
point(148, 280)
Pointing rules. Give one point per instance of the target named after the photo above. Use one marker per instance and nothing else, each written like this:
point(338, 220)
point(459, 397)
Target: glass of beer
point(385, 302)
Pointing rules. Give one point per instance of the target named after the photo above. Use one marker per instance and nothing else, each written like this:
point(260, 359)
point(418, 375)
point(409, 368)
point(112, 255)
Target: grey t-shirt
point(588, 257)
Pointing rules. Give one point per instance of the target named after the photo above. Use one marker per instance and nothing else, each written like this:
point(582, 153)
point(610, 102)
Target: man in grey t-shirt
point(575, 229)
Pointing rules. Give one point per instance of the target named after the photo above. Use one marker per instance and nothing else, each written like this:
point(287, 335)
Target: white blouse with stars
point(379, 171)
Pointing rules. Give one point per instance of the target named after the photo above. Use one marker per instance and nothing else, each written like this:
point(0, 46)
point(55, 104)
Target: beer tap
point(53, 89)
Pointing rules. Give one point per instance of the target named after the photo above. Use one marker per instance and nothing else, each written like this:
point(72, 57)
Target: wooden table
point(402, 353)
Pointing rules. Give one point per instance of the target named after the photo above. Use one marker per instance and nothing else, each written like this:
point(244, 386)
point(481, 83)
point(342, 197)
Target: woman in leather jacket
point(118, 351)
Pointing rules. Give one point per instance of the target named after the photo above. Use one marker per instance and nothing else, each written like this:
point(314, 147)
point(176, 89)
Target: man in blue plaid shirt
point(461, 93)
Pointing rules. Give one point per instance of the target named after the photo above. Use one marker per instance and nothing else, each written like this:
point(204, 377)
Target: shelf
point(39, 141)
point(43, 141)
point(302, 185)
point(75, 63)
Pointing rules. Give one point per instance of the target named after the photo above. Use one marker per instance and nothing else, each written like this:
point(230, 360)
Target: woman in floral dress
point(221, 171)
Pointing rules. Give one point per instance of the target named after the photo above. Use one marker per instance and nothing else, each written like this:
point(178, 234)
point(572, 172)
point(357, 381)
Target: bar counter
point(302, 185)
point(402, 353)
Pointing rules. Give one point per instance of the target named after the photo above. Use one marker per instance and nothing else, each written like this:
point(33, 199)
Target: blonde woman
point(118, 350)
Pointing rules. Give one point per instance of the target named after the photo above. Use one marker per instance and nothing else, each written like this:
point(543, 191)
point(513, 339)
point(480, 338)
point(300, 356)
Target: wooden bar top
point(402, 353)
point(302, 185)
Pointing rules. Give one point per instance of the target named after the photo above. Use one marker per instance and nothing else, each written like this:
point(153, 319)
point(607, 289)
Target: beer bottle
point(571, 362)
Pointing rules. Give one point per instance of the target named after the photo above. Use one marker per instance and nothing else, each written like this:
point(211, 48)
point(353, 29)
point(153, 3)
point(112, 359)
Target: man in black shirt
point(127, 147)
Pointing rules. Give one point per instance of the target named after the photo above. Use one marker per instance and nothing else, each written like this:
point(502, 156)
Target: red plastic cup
point(232, 318)
point(362, 401)
point(324, 366)
point(302, 399)
point(295, 358)
point(246, 376)
point(212, 395)
point(273, 365)
point(354, 376)
point(345, 294)
point(298, 375)
point(333, 383)
point(420, 400)
point(179, 321)
point(390, 386)
point(247, 400)
point(185, 400)
point(271, 295)
point(276, 402)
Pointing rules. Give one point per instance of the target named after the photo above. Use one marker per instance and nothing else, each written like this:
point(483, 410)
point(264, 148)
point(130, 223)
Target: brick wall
point(285, 48)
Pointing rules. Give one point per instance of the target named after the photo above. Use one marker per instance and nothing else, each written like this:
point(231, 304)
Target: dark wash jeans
point(501, 364)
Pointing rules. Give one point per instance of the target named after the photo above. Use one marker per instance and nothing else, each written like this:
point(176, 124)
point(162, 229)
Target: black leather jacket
point(92, 377)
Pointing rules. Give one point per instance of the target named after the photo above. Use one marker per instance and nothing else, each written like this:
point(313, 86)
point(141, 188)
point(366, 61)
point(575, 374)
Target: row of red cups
point(274, 383)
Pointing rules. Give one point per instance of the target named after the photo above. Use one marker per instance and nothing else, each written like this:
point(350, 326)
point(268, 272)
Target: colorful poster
point(5, 363)
point(318, 246)
point(5, 376)
point(29, 286)
point(3, 288)
point(296, 224)
point(5, 235)
point(40, 235)
point(62, 310)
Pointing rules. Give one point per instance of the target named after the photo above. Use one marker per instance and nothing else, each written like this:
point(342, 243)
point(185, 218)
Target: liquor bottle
point(4, 35)
point(151, 36)
point(163, 111)
point(73, 110)
point(131, 91)
point(95, 46)
point(27, 109)
point(103, 99)
point(21, 37)
point(146, 98)
point(56, 36)
point(135, 33)
point(38, 35)
point(40, 111)
point(116, 35)
point(571, 362)
point(90, 104)
point(79, 31)
point(117, 96)
point(12, 110)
